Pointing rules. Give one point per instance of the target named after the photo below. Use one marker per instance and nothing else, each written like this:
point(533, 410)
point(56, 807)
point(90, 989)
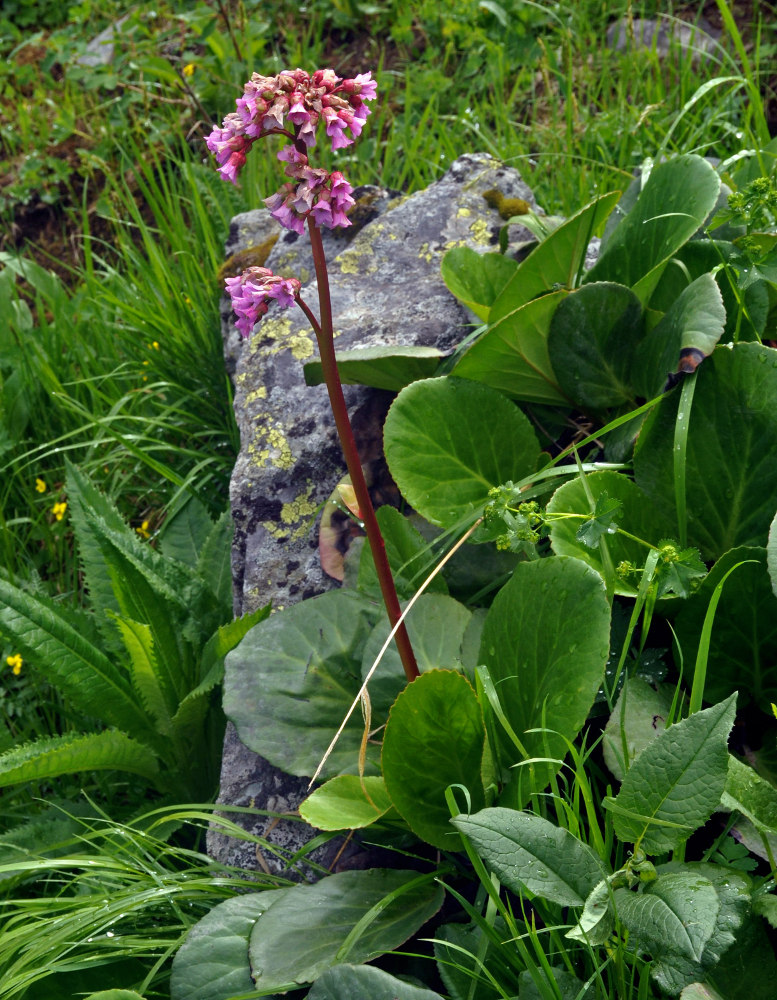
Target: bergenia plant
point(294, 104)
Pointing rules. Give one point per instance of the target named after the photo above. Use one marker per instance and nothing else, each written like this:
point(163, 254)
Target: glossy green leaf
point(52, 756)
point(212, 963)
point(639, 716)
point(512, 355)
point(436, 626)
point(771, 554)
point(476, 279)
point(675, 914)
point(114, 995)
point(672, 205)
point(748, 968)
point(592, 340)
point(558, 260)
point(766, 907)
point(698, 991)
point(530, 854)
point(390, 368)
point(597, 920)
point(637, 518)
point(291, 680)
point(545, 643)
point(695, 322)
point(409, 555)
point(359, 982)
point(743, 649)
point(352, 917)
point(448, 441)
point(673, 970)
point(346, 802)
point(730, 477)
point(675, 784)
point(747, 793)
point(434, 738)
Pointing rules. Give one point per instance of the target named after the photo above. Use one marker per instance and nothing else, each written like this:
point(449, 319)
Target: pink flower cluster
point(251, 292)
point(315, 192)
point(292, 98)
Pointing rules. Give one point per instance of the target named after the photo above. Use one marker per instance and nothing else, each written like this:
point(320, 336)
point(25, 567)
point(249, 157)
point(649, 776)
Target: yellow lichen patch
point(271, 329)
point(276, 334)
point(301, 346)
point(480, 232)
point(295, 515)
point(359, 258)
point(271, 445)
point(425, 253)
point(464, 213)
point(260, 393)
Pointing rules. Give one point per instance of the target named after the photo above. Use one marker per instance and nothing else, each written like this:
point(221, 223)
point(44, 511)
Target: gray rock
point(666, 34)
point(99, 52)
point(386, 290)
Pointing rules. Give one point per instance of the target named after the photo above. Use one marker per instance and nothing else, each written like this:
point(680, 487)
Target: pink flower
point(251, 292)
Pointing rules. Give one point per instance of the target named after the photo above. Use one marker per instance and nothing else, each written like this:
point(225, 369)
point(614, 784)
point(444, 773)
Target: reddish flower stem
point(325, 337)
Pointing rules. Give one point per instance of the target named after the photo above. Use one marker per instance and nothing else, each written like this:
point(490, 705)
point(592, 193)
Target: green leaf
point(698, 991)
point(434, 738)
point(39, 629)
point(601, 521)
point(748, 968)
point(690, 330)
point(143, 671)
point(637, 518)
point(390, 368)
point(223, 641)
point(597, 920)
point(731, 480)
point(672, 970)
point(673, 204)
point(115, 995)
point(640, 715)
point(409, 555)
point(476, 279)
point(558, 260)
point(214, 563)
point(569, 987)
point(675, 914)
point(212, 963)
point(457, 948)
point(743, 651)
point(449, 441)
point(436, 627)
point(531, 854)
point(290, 682)
point(352, 916)
point(512, 354)
point(771, 554)
point(358, 982)
point(83, 495)
point(676, 782)
point(766, 907)
point(591, 344)
point(52, 756)
point(183, 535)
point(347, 802)
point(749, 794)
point(546, 643)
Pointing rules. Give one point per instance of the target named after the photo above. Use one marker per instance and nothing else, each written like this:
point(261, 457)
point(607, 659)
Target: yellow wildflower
point(188, 69)
point(155, 345)
point(40, 485)
point(58, 510)
point(143, 530)
point(15, 663)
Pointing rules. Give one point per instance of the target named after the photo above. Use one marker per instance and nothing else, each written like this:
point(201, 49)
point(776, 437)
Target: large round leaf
point(743, 651)
point(730, 471)
point(307, 931)
point(357, 982)
point(290, 682)
point(347, 802)
point(436, 626)
point(676, 199)
point(449, 441)
point(593, 336)
point(546, 643)
point(694, 322)
point(512, 355)
point(637, 518)
point(212, 963)
point(434, 738)
point(476, 279)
